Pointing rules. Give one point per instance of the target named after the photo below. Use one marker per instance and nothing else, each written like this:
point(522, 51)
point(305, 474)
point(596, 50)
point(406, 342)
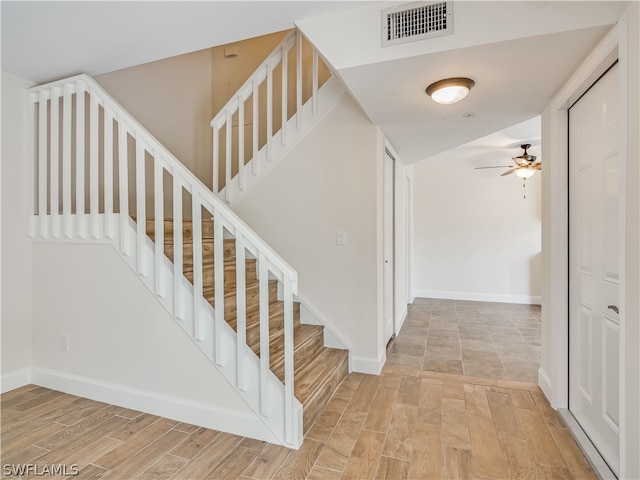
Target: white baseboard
point(367, 365)
point(13, 380)
point(544, 382)
point(168, 406)
point(479, 297)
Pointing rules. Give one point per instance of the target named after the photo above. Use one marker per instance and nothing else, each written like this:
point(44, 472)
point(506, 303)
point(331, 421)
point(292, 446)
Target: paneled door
point(594, 265)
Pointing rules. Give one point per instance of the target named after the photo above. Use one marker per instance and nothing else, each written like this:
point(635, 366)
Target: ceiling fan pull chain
point(524, 187)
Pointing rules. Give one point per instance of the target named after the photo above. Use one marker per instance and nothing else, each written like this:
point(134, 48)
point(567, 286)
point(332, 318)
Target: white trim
point(403, 317)
point(367, 365)
point(11, 381)
point(168, 406)
point(478, 297)
point(544, 382)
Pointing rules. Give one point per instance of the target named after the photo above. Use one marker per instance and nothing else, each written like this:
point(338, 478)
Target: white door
point(594, 265)
point(389, 182)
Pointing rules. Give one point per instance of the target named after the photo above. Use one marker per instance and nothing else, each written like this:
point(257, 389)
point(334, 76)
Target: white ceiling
point(518, 52)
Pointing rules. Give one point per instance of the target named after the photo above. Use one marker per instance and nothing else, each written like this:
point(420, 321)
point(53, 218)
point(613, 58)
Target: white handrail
point(115, 133)
point(264, 74)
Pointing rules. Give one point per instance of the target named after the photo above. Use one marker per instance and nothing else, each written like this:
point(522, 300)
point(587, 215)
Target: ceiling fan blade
point(495, 166)
point(536, 166)
point(509, 172)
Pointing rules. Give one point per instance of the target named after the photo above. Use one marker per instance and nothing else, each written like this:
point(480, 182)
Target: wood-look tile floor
point(406, 423)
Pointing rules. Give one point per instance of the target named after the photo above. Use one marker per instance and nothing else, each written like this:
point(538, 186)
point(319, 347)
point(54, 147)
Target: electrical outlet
point(65, 343)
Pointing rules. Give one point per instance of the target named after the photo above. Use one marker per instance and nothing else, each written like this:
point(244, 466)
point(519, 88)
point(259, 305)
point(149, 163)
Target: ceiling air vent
point(416, 21)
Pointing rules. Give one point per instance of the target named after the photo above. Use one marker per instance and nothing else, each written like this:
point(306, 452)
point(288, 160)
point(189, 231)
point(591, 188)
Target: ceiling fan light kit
point(525, 166)
point(525, 173)
point(450, 90)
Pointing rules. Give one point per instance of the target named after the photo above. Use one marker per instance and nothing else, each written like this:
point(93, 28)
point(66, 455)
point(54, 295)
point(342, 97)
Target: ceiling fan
point(525, 164)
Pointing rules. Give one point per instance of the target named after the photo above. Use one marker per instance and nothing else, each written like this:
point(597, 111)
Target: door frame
point(554, 379)
point(389, 290)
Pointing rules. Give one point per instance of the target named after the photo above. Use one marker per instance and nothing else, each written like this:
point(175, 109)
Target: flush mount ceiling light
point(450, 90)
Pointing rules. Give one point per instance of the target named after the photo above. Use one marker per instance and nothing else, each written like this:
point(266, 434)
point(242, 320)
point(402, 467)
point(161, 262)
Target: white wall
point(172, 99)
point(329, 182)
point(475, 236)
point(16, 258)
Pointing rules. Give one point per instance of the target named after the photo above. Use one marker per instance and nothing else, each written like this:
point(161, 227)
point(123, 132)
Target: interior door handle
point(614, 308)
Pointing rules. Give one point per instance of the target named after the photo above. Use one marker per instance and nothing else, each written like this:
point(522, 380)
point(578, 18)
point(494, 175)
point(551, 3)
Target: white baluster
point(93, 165)
point(108, 171)
point(80, 159)
point(141, 214)
point(123, 187)
point(218, 268)
point(196, 229)
point(43, 132)
point(256, 164)
point(241, 172)
point(66, 162)
point(299, 80)
point(314, 94)
point(263, 279)
point(227, 182)
point(216, 159)
point(31, 167)
point(288, 359)
point(269, 109)
point(241, 311)
point(158, 213)
point(177, 247)
point(285, 94)
point(54, 144)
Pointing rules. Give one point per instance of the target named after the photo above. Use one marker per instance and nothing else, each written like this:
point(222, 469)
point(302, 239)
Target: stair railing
point(229, 153)
point(82, 151)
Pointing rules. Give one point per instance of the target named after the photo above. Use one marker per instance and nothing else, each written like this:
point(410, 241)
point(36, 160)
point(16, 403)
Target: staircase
point(317, 370)
point(101, 177)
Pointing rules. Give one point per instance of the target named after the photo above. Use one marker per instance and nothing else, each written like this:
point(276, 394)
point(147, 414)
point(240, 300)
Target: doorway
point(389, 245)
point(595, 260)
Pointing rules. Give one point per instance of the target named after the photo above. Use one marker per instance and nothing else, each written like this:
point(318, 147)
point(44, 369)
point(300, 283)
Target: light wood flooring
point(407, 423)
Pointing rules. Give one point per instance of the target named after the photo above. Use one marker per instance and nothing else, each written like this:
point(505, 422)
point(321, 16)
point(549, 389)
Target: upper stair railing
point(94, 168)
point(267, 101)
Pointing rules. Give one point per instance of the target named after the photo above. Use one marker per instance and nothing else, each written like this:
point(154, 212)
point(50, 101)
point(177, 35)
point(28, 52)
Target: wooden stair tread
point(276, 314)
point(252, 297)
point(187, 227)
point(309, 378)
point(318, 380)
point(308, 341)
point(301, 335)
